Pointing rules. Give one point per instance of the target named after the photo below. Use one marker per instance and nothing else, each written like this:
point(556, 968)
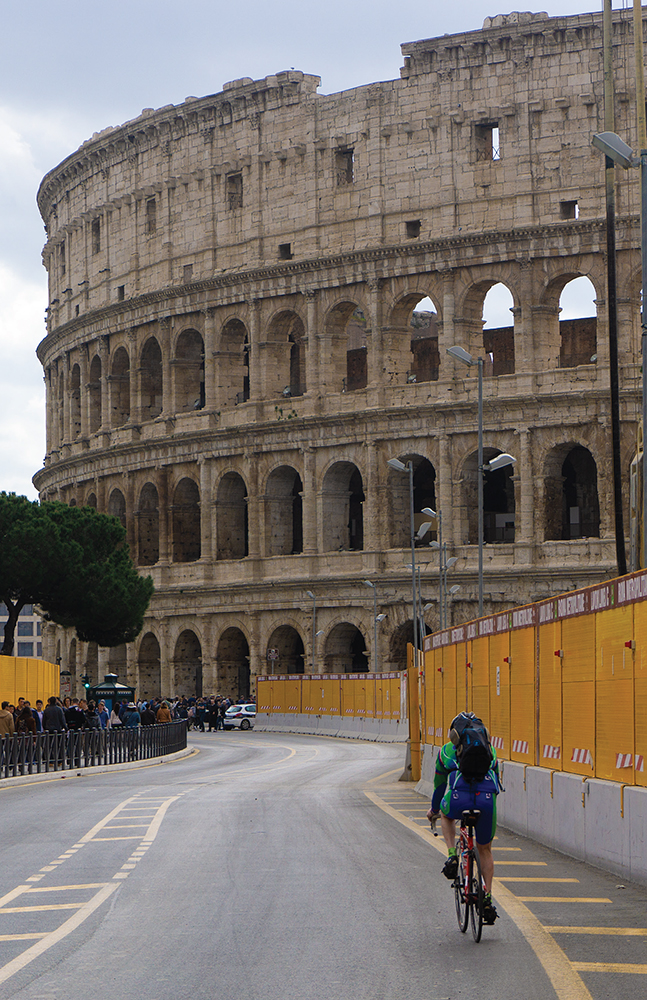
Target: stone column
point(210, 401)
point(168, 395)
point(164, 515)
point(206, 508)
point(524, 523)
point(313, 338)
point(446, 332)
point(66, 368)
point(134, 382)
point(376, 345)
point(166, 655)
point(84, 366)
point(256, 658)
point(309, 501)
point(130, 498)
point(444, 491)
point(104, 354)
point(132, 667)
point(374, 509)
point(255, 374)
point(256, 547)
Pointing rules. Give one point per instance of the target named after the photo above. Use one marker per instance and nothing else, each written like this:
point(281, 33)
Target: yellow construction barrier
point(350, 696)
point(24, 677)
point(561, 684)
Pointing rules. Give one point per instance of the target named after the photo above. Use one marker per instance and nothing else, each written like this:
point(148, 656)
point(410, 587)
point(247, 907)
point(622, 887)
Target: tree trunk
point(13, 610)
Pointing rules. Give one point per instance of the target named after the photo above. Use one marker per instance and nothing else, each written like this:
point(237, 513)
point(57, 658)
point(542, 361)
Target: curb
point(34, 779)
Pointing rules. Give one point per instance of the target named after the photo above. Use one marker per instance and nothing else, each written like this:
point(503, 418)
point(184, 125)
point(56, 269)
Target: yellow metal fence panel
point(499, 726)
point(640, 691)
point(331, 695)
point(614, 695)
point(264, 695)
point(578, 695)
point(292, 695)
point(448, 684)
point(523, 648)
point(397, 692)
point(480, 674)
point(550, 696)
point(427, 695)
point(25, 677)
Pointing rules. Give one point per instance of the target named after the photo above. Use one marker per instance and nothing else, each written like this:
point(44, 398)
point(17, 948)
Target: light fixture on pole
point(367, 583)
point(430, 512)
point(497, 463)
point(314, 626)
point(615, 149)
point(398, 466)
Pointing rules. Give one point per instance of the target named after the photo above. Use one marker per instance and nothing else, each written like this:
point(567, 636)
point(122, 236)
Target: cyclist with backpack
point(467, 777)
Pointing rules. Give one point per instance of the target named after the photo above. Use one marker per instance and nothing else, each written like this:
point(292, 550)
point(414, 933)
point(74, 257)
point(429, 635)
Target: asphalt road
point(277, 868)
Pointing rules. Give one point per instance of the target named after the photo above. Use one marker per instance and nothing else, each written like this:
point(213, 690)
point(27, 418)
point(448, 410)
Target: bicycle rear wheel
point(461, 884)
point(476, 895)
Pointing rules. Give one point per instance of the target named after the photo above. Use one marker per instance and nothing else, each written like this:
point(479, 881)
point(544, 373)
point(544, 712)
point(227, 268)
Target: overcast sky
point(68, 69)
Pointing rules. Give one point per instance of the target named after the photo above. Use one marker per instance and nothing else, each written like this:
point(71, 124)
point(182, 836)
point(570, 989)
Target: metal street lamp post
point(398, 466)
point(367, 583)
point(314, 626)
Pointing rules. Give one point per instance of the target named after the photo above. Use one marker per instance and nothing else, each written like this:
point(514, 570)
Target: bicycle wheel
point(461, 884)
point(476, 897)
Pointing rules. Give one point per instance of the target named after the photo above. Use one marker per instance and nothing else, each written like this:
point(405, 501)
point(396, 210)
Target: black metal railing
point(69, 751)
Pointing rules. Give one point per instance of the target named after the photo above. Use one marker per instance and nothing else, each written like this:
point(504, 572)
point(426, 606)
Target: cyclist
point(453, 794)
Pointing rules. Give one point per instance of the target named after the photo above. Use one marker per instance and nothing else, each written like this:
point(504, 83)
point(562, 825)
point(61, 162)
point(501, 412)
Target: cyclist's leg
point(487, 864)
point(448, 827)
point(485, 830)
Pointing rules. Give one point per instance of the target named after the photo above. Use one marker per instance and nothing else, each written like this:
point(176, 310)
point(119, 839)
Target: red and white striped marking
point(581, 757)
point(640, 763)
point(624, 760)
point(439, 733)
point(497, 741)
point(520, 746)
point(553, 753)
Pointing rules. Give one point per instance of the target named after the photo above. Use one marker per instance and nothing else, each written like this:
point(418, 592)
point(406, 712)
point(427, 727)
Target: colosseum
point(251, 297)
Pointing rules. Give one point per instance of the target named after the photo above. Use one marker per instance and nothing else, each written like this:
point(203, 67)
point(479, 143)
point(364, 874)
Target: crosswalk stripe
point(628, 968)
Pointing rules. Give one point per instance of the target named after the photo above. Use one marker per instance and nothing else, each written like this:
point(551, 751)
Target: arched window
point(346, 332)
point(150, 673)
point(424, 495)
point(345, 650)
point(233, 663)
point(148, 526)
point(75, 402)
point(91, 501)
point(94, 390)
point(117, 506)
point(189, 372)
point(572, 503)
point(283, 512)
point(498, 330)
point(233, 364)
point(284, 348)
point(120, 387)
point(231, 517)
point(151, 380)
point(186, 522)
point(577, 323)
point(498, 500)
point(289, 648)
point(187, 663)
point(343, 498)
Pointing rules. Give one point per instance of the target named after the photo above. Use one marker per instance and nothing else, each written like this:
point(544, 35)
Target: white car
point(239, 717)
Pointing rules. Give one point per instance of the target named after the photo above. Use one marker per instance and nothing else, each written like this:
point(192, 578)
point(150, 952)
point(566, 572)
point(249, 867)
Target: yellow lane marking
point(60, 888)
point(61, 932)
point(506, 848)
point(21, 937)
point(153, 829)
point(103, 839)
point(633, 970)
point(620, 931)
point(43, 906)
point(524, 864)
point(18, 891)
point(565, 980)
point(387, 774)
point(104, 822)
point(563, 899)
point(127, 826)
point(524, 878)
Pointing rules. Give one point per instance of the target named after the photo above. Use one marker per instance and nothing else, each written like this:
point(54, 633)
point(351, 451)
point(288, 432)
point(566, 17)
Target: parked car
point(239, 717)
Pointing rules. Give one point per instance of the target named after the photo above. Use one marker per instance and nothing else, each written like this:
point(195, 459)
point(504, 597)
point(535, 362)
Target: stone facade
point(231, 353)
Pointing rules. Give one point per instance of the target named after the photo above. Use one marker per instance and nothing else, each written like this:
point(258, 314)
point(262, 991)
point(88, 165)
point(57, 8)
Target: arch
point(94, 394)
point(120, 388)
point(75, 402)
point(572, 506)
point(187, 665)
point(417, 314)
point(498, 500)
point(284, 512)
point(148, 526)
point(345, 650)
point(398, 498)
point(400, 638)
point(91, 501)
point(188, 369)
point(486, 307)
point(117, 506)
point(149, 667)
point(231, 517)
point(346, 331)
point(342, 499)
point(578, 323)
point(151, 380)
point(285, 351)
point(233, 663)
point(233, 363)
point(289, 646)
point(186, 521)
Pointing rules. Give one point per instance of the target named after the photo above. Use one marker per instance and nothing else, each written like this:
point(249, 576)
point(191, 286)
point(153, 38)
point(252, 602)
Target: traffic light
point(86, 681)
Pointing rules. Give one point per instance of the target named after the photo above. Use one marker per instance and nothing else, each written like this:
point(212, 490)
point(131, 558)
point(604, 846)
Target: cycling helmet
point(458, 724)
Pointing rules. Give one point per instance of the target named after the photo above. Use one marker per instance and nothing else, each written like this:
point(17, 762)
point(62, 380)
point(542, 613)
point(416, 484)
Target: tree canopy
point(75, 565)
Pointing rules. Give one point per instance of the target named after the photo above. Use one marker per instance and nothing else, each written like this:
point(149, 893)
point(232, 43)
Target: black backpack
point(473, 750)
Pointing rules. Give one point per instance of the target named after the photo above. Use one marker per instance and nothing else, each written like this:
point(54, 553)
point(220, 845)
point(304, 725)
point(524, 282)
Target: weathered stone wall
point(229, 359)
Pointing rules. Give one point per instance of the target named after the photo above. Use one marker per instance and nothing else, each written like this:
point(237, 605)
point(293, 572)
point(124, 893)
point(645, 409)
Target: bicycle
point(469, 888)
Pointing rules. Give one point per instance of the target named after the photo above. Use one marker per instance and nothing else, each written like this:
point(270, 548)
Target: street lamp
point(430, 512)
point(618, 151)
point(497, 463)
point(314, 626)
point(367, 583)
point(398, 466)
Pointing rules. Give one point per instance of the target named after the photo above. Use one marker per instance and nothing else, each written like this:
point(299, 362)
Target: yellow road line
point(524, 864)
point(43, 906)
point(524, 878)
point(104, 822)
point(506, 848)
point(18, 891)
point(620, 931)
point(631, 969)
point(21, 937)
point(153, 829)
point(565, 980)
point(126, 826)
point(563, 899)
point(61, 932)
point(103, 839)
point(61, 888)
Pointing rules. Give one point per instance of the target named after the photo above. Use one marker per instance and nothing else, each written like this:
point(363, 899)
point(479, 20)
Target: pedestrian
point(7, 725)
point(25, 723)
point(163, 713)
point(103, 714)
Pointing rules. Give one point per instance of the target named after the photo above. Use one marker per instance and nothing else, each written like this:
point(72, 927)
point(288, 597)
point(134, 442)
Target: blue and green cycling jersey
point(448, 774)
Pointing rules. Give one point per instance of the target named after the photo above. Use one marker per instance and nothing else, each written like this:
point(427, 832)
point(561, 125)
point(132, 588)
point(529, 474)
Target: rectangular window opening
point(187, 273)
point(151, 215)
point(488, 141)
point(121, 293)
point(345, 166)
point(61, 258)
point(234, 191)
point(569, 210)
point(96, 236)
point(413, 229)
point(285, 251)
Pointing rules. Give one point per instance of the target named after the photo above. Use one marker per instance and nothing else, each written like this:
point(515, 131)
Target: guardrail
point(70, 751)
